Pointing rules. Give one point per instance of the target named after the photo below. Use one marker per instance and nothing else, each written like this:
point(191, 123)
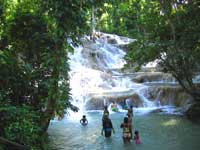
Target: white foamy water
point(94, 67)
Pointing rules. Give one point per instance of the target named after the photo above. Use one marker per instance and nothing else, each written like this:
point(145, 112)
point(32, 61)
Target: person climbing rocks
point(84, 120)
point(126, 130)
point(107, 126)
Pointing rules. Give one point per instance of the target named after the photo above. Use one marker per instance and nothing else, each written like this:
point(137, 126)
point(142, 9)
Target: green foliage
point(34, 81)
point(20, 124)
point(169, 31)
point(166, 30)
point(119, 17)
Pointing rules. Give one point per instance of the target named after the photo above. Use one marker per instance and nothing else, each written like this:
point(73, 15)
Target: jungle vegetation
point(37, 35)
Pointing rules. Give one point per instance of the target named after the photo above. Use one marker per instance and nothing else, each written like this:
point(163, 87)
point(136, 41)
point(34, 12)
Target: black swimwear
point(107, 127)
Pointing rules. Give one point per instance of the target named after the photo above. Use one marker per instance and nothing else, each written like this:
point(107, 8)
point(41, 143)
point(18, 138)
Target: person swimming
point(136, 137)
point(84, 121)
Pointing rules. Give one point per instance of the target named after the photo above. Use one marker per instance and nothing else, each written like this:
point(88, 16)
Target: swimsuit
point(126, 131)
point(137, 139)
point(107, 127)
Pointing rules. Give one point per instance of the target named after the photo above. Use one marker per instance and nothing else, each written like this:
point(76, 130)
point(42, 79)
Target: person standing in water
point(84, 121)
point(137, 137)
point(126, 130)
point(130, 111)
point(106, 110)
point(129, 116)
point(107, 126)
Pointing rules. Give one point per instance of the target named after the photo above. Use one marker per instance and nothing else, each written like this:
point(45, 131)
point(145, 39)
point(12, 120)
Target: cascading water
point(96, 71)
point(96, 74)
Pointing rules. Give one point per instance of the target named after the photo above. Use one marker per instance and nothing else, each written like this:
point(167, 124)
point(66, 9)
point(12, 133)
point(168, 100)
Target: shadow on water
point(166, 132)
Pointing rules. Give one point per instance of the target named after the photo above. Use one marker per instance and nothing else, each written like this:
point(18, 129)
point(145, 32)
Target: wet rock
point(168, 95)
point(96, 103)
point(141, 77)
point(112, 41)
point(157, 110)
point(193, 112)
point(161, 95)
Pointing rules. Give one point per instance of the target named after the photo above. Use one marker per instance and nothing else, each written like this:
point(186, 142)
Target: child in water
point(136, 137)
point(84, 121)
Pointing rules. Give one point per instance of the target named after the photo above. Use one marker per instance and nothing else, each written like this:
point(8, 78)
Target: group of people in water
point(126, 125)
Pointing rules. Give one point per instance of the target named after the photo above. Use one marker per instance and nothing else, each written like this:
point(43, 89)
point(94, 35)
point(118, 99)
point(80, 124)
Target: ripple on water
point(166, 132)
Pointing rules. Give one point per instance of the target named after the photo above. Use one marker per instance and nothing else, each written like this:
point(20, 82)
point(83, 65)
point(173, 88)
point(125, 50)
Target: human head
point(125, 120)
point(136, 132)
point(105, 107)
point(84, 116)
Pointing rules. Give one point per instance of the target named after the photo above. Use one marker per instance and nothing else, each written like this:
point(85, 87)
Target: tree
point(34, 81)
point(170, 33)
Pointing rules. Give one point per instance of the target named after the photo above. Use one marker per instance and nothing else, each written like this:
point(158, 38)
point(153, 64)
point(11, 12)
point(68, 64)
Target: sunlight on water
point(156, 132)
point(171, 122)
point(96, 72)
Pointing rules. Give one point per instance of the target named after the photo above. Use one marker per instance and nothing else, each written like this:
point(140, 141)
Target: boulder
point(168, 95)
point(97, 103)
point(193, 112)
point(141, 77)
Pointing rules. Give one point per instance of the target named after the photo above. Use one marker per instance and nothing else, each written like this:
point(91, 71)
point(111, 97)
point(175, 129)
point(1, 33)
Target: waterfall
point(96, 72)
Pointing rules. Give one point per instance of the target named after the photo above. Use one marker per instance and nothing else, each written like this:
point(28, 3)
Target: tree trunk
point(9, 145)
point(93, 21)
point(48, 114)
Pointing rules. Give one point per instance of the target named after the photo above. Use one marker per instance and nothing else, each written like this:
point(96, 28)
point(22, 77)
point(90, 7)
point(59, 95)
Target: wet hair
point(136, 132)
point(105, 107)
point(125, 119)
point(84, 116)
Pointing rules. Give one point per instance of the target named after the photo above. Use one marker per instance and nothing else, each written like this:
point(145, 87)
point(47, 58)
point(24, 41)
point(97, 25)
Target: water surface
point(157, 131)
